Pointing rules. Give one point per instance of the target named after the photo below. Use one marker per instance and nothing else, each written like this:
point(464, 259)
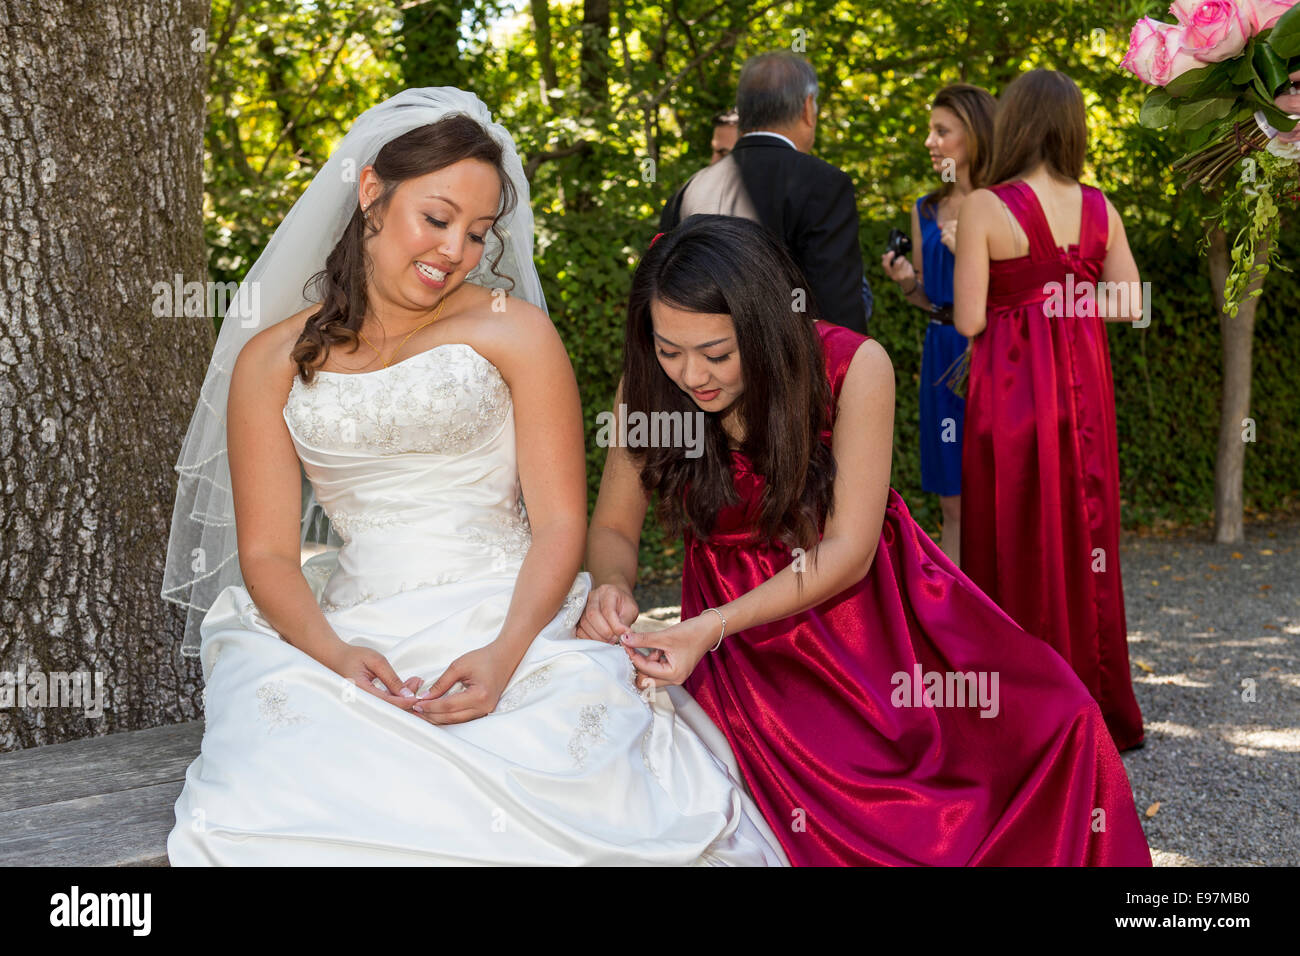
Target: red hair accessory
point(656, 238)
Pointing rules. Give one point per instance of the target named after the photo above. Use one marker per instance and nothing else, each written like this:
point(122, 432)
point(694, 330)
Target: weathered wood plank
point(125, 828)
point(58, 773)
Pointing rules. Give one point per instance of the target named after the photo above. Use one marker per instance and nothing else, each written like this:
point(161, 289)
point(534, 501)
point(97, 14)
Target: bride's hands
point(610, 612)
point(364, 665)
point(674, 651)
point(484, 674)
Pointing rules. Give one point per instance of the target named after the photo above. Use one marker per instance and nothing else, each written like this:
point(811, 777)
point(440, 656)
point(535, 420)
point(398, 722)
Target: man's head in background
point(777, 93)
point(725, 133)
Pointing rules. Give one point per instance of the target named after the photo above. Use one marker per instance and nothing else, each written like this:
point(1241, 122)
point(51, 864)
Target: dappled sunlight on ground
point(1214, 644)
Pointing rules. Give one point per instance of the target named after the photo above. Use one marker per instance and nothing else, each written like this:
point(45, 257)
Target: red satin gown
point(849, 764)
point(1040, 458)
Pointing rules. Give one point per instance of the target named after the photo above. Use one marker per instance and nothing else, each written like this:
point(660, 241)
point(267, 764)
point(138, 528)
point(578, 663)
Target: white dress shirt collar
point(763, 132)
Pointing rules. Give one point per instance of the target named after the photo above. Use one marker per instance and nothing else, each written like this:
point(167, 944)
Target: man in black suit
point(770, 177)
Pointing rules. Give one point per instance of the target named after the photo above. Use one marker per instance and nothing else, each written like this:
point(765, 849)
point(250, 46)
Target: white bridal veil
point(201, 552)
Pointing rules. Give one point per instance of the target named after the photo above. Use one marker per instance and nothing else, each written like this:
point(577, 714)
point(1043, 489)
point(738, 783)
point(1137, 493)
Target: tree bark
point(1237, 337)
point(431, 57)
point(542, 32)
point(593, 57)
point(103, 113)
point(593, 79)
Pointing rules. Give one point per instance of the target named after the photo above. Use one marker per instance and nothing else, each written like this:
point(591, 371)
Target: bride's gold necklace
point(436, 314)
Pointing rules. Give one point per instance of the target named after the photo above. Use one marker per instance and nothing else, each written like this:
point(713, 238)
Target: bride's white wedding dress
point(415, 466)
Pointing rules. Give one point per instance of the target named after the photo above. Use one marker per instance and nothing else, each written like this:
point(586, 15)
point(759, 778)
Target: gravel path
point(1214, 645)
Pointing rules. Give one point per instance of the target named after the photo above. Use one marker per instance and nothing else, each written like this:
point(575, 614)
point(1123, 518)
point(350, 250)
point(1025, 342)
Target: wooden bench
point(102, 801)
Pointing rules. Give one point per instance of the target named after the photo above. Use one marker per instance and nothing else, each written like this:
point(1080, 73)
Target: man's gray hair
point(772, 90)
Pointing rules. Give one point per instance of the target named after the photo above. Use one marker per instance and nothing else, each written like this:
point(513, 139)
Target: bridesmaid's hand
point(483, 673)
point(610, 612)
point(948, 235)
point(674, 651)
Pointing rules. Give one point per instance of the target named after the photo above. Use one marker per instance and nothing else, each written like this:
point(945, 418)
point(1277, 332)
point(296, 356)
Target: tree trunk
point(430, 55)
point(1237, 335)
point(103, 108)
point(593, 67)
point(545, 61)
point(593, 57)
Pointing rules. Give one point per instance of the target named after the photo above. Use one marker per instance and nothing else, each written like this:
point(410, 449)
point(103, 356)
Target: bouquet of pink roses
point(1218, 68)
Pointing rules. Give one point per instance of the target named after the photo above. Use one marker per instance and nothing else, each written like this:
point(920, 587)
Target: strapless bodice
point(415, 466)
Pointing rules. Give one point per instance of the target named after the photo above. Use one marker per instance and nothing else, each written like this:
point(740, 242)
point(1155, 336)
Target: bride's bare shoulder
point(512, 328)
point(270, 350)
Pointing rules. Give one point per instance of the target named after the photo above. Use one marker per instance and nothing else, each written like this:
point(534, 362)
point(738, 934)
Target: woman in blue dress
point(960, 141)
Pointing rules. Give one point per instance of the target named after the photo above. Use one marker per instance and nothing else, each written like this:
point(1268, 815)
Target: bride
point(418, 695)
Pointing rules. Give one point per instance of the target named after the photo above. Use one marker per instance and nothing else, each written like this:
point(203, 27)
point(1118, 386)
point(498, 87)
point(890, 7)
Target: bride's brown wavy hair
point(341, 286)
point(725, 265)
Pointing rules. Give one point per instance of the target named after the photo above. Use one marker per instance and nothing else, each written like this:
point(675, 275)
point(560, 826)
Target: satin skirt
point(1040, 530)
point(575, 766)
point(908, 720)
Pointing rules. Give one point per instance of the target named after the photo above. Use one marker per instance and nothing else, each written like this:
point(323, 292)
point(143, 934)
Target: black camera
point(900, 244)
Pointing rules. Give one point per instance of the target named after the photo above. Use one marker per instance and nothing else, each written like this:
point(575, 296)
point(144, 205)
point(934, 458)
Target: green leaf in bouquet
point(1197, 113)
point(1251, 81)
point(1201, 138)
point(1260, 90)
point(1243, 70)
point(1218, 80)
point(1284, 38)
point(1256, 100)
point(1245, 112)
point(1270, 67)
point(1187, 83)
point(1157, 110)
point(1276, 117)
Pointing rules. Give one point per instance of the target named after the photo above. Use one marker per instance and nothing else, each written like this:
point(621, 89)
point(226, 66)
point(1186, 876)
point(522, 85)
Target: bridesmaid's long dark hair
point(728, 265)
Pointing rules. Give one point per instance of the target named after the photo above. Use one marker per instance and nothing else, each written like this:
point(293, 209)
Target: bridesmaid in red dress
point(881, 708)
point(1040, 464)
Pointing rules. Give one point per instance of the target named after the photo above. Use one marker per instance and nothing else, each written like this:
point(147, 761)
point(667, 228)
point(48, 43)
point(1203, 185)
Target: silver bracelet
point(724, 627)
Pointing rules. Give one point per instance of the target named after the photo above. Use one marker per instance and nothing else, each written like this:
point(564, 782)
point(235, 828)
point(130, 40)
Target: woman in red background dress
point(835, 617)
point(1040, 466)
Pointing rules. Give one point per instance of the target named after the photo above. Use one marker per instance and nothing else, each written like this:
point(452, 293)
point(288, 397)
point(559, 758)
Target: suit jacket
point(808, 203)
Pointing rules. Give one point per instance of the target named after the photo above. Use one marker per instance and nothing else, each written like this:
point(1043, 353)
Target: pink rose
point(1213, 30)
point(1262, 14)
point(1154, 53)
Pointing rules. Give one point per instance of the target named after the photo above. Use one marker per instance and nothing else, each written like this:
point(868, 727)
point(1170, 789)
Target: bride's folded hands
point(483, 674)
point(610, 611)
point(363, 666)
